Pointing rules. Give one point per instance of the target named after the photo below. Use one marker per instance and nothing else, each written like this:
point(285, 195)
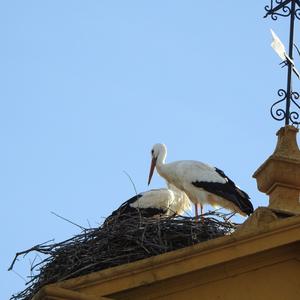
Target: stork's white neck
point(161, 158)
point(160, 163)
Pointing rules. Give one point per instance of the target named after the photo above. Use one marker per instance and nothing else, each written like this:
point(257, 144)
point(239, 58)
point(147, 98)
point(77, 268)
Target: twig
point(134, 187)
point(19, 275)
point(57, 215)
point(34, 248)
point(89, 223)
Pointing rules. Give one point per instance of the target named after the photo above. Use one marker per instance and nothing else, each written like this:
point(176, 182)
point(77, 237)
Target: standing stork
point(201, 182)
point(154, 203)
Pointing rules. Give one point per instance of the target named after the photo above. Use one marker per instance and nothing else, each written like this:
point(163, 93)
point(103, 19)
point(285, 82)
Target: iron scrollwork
point(280, 114)
point(297, 13)
point(282, 9)
point(294, 116)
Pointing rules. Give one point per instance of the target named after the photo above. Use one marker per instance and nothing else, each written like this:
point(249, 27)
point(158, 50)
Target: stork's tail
point(244, 202)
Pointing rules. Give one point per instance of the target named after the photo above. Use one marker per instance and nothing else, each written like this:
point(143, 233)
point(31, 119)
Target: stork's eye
point(152, 151)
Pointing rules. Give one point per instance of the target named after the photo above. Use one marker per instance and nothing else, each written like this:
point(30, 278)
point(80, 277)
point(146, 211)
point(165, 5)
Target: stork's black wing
point(126, 211)
point(228, 191)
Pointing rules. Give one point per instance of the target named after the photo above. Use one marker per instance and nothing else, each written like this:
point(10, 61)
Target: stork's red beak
point(153, 164)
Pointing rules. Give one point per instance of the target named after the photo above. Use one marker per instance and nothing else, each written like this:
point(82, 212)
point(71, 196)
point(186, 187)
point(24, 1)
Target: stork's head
point(158, 154)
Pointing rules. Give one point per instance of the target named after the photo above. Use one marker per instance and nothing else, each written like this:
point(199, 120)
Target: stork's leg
point(202, 218)
point(196, 212)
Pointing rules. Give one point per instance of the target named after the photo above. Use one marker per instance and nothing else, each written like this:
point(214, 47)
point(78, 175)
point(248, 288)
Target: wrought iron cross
point(287, 8)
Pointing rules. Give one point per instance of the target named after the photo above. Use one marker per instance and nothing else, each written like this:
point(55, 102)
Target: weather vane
point(287, 8)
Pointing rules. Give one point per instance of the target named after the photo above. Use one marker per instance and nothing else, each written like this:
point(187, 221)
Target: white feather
point(172, 200)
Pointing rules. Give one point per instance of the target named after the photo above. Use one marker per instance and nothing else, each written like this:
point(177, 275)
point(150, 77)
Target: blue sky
point(87, 87)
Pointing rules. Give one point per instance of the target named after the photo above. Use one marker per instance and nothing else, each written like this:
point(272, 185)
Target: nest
point(120, 240)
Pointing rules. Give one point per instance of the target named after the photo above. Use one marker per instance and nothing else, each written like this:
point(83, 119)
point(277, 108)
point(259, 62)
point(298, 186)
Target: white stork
point(155, 203)
point(202, 183)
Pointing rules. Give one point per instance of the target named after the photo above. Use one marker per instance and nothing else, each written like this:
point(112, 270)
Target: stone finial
point(279, 175)
point(287, 143)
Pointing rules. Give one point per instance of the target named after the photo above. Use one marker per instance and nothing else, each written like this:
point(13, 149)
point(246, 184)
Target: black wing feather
point(228, 191)
point(126, 211)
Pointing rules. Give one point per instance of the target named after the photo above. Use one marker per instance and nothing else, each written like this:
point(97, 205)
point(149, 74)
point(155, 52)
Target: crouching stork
point(154, 203)
point(201, 182)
